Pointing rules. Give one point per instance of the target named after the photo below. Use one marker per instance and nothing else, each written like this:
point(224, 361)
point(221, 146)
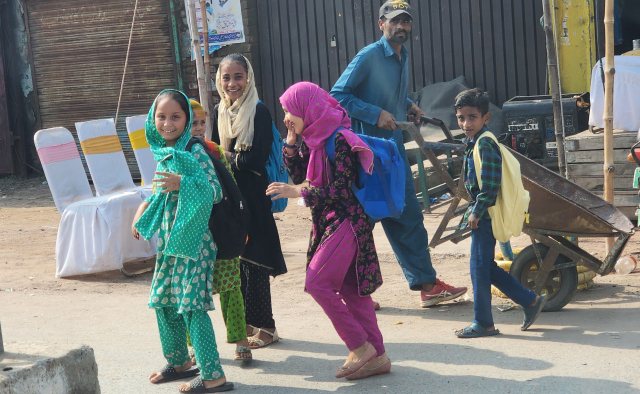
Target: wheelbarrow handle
point(433, 121)
point(439, 123)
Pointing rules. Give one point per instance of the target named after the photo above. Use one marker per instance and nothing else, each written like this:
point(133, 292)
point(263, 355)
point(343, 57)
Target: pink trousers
point(332, 282)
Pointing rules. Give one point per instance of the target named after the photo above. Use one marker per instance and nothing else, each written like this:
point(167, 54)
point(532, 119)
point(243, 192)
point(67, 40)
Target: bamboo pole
point(207, 68)
point(609, 72)
point(552, 64)
point(126, 62)
point(195, 42)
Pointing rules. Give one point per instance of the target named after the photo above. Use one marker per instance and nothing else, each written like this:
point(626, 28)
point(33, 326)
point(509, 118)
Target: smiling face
point(293, 122)
point(199, 126)
point(170, 120)
point(471, 120)
point(234, 79)
point(396, 30)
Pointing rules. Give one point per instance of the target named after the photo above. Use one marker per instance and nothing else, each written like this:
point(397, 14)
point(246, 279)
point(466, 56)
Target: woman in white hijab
point(244, 131)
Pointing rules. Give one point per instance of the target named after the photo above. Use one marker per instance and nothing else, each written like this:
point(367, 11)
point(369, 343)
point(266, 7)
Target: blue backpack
point(276, 169)
point(381, 193)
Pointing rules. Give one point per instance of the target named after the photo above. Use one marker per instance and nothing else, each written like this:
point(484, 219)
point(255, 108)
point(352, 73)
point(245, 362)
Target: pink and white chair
point(94, 233)
point(62, 166)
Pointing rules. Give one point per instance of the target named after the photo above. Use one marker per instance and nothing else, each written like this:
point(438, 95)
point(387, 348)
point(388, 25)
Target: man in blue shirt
point(374, 91)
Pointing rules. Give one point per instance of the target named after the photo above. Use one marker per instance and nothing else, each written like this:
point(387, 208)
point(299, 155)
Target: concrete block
point(73, 373)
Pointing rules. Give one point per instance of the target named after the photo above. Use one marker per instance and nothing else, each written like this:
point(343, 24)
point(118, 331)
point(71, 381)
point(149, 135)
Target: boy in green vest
point(472, 112)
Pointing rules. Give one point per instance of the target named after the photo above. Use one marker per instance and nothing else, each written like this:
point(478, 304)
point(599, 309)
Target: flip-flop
point(475, 330)
point(241, 350)
point(531, 313)
point(196, 386)
point(169, 374)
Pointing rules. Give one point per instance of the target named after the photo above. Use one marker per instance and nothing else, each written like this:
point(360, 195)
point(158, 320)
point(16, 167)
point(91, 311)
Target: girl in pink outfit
point(342, 264)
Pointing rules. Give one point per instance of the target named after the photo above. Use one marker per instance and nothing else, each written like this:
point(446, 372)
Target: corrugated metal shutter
point(6, 156)
point(79, 48)
point(496, 44)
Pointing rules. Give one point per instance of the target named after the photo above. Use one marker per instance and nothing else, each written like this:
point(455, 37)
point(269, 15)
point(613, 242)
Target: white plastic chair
point(146, 163)
point(62, 166)
point(94, 233)
point(104, 156)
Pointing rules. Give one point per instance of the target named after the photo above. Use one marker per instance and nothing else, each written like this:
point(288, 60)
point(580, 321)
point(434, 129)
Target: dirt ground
point(590, 346)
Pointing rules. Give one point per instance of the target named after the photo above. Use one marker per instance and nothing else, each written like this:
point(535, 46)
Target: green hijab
point(195, 197)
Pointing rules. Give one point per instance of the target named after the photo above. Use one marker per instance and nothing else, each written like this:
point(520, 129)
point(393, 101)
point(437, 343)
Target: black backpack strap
point(196, 140)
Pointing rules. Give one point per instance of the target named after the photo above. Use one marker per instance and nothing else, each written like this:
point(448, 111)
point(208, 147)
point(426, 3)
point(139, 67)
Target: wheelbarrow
point(559, 211)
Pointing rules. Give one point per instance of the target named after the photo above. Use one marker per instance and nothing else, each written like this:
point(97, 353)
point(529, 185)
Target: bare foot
point(250, 330)
point(355, 355)
point(156, 376)
point(185, 388)
point(534, 301)
point(376, 306)
point(428, 286)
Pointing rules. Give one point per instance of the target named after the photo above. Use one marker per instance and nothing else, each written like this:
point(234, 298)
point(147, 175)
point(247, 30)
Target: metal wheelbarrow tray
point(559, 210)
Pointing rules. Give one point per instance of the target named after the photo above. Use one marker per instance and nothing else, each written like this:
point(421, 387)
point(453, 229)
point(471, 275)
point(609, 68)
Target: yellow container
point(576, 39)
point(584, 277)
point(585, 286)
point(499, 255)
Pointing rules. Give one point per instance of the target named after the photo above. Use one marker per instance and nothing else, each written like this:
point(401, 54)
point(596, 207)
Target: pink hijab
point(322, 115)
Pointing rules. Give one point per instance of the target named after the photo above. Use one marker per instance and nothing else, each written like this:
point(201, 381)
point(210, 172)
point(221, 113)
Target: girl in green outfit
point(226, 274)
point(182, 289)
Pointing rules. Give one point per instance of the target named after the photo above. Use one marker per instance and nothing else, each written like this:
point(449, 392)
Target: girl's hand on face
point(282, 190)
point(292, 137)
point(169, 182)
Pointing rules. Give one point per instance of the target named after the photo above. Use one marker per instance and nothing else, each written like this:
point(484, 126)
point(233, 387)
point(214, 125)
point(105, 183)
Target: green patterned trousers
point(232, 307)
point(173, 329)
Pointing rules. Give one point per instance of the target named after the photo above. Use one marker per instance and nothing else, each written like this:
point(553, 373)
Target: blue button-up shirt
point(376, 79)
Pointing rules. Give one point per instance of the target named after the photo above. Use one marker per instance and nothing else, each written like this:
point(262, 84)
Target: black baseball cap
point(392, 8)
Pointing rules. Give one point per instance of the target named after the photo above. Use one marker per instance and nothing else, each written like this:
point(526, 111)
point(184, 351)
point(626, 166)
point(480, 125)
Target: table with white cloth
point(626, 94)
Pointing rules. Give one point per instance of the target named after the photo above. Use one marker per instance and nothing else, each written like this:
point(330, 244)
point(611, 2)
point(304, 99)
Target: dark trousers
point(485, 272)
point(256, 292)
point(407, 234)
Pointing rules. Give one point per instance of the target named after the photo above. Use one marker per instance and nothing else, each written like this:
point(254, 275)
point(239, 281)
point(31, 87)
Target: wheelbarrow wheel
point(560, 285)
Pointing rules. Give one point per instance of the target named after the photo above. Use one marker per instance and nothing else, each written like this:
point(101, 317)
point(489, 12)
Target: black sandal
point(531, 313)
point(169, 374)
point(197, 386)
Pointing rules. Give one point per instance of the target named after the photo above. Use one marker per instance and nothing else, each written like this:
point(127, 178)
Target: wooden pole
point(207, 67)
point(552, 64)
point(195, 42)
point(126, 62)
point(609, 72)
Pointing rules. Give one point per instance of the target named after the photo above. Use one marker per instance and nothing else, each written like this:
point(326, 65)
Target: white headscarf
point(236, 120)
